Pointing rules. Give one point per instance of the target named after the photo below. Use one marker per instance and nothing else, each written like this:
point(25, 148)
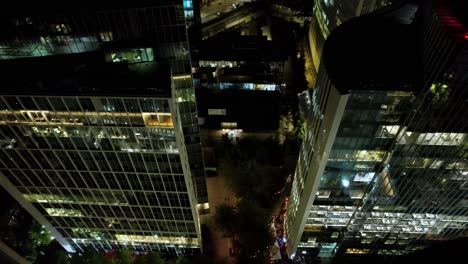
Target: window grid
point(79, 164)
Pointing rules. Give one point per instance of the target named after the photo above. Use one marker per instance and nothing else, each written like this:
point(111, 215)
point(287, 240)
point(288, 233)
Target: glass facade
point(369, 124)
point(107, 168)
point(84, 30)
point(387, 182)
point(110, 165)
point(188, 12)
point(392, 178)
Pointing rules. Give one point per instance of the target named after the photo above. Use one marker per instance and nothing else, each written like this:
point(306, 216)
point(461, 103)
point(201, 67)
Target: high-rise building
point(383, 168)
point(232, 61)
point(99, 131)
point(329, 14)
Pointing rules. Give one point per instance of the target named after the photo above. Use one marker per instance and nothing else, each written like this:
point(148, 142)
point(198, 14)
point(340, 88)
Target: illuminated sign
point(216, 111)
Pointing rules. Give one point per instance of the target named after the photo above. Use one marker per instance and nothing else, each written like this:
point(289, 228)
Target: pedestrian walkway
point(218, 193)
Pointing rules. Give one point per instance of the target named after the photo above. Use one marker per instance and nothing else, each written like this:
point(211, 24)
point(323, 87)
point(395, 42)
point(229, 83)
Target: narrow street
point(281, 255)
point(211, 9)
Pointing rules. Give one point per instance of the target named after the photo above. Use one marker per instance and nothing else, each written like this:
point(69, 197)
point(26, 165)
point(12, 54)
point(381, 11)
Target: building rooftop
point(251, 110)
point(375, 52)
point(234, 47)
point(84, 74)
point(453, 15)
point(27, 8)
point(460, 7)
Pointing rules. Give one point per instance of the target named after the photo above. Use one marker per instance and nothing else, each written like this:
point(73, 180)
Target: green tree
point(254, 225)
point(56, 257)
point(140, 260)
point(236, 175)
point(202, 259)
point(89, 256)
point(28, 251)
point(53, 254)
point(255, 235)
point(226, 219)
point(182, 260)
point(154, 258)
point(107, 260)
point(254, 170)
point(251, 165)
point(440, 92)
point(123, 256)
point(39, 236)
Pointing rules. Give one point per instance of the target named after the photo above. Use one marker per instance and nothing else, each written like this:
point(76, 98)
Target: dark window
point(87, 104)
point(28, 103)
point(42, 103)
point(72, 104)
point(57, 104)
point(132, 105)
point(13, 103)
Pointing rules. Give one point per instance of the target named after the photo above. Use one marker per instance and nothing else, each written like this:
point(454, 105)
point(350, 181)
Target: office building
point(383, 167)
point(232, 61)
point(100, 138)
point(259, 111)
point(328, 14)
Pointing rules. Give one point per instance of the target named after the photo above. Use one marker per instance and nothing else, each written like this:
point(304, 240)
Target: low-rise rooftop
point(84, 74)
point(375, 52)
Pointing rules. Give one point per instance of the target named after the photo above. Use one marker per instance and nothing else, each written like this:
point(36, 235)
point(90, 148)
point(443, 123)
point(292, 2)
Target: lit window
point(364, 176)
point(366, 241)
point(228, 124)
point(188, 4)
point(131, 55)
point(46, 198)
point(345, 183)
point(437, 139)
point(188, 14)
point(158, 239)
point(81, 230)
point(216, 111)
point(357, 251)
point(390, 131)
point(64, 212)
point(106, 36)
point(61, 28)
point(158, 120)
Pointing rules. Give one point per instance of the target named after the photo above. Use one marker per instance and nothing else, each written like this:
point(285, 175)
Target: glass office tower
point(100, 139)
point(382, 169)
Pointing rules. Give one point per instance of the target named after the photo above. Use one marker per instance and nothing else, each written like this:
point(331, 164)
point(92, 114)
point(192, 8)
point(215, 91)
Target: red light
point(466, 36)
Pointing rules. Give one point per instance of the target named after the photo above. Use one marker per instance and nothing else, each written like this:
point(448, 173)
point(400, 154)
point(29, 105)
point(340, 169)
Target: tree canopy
point(254, 170)
point(121, 256)
point(226, 219)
